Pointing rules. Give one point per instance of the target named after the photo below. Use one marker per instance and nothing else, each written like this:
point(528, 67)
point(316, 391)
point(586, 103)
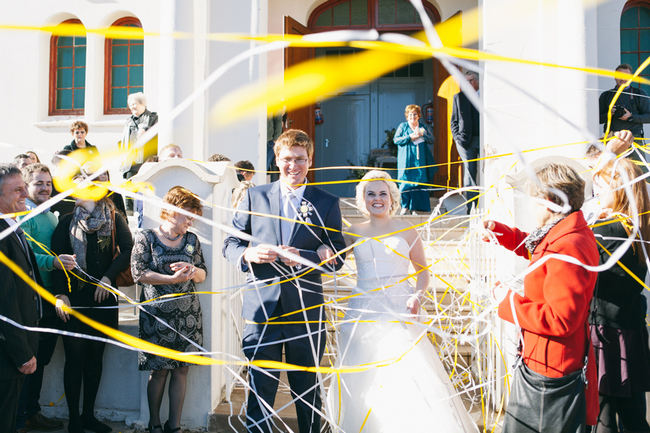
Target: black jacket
point(19, 302)
point(618, 301)
point(636, 102)
point(465, 121)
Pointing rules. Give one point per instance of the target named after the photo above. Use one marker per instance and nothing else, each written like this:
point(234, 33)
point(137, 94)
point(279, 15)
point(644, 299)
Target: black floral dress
point(182, 315)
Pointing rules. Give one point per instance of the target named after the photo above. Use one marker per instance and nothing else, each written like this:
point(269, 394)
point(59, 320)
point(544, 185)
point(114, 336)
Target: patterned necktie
point(288, 212)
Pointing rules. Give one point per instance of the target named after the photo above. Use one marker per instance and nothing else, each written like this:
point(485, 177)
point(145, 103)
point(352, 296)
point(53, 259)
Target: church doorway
point(354, 122)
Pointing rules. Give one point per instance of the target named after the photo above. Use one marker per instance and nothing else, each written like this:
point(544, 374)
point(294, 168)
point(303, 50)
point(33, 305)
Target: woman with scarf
point(618, 328)
point(93, 232)
point(549, 391)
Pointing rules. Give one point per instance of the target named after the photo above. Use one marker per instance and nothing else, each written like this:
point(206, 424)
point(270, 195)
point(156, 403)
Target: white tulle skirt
point(405, 390)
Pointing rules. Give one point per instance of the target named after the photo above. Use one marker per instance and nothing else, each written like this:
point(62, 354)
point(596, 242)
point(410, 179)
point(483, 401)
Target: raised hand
point(65, 261)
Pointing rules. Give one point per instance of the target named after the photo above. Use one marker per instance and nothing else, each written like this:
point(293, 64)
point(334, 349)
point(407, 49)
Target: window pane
point(629, 18)
point(64, 99)
point(324, 19)
point(64, 78)
point(80, 40)
point(629, 40)
point(64, 57)
point(64, 41)
point(402, 72)
point(80, 77)
point(136, 89)
point(645, 40)
point(386, 11)
point(135, 76)
point(630, 59)
point(416, 69)
point(79, 98)
point(644, 16)
point(80, 56)
point(359, 14)
point(136, 55)
point(405, 12)
point(119, 76)
point(120, 55)
point(342, 14)
point(118, 98)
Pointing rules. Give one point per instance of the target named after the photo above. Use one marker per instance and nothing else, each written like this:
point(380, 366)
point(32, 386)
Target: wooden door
point(301, 118)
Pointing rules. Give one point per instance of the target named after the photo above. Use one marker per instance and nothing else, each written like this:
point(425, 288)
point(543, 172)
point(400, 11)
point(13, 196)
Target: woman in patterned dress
point(168, 260)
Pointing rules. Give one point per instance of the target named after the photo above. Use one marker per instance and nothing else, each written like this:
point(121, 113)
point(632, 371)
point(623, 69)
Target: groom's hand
point(287, 261)
point(263, 253)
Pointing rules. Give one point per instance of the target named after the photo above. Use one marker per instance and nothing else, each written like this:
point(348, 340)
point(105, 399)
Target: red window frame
point(641, 55)
point(108, 67)
point(53, 79)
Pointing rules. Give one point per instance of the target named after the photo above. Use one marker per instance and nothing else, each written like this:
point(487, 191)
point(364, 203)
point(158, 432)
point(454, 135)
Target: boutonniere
point(189, 248)
point(306, 209)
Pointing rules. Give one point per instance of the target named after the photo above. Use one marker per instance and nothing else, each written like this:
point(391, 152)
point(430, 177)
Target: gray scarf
point(98, 221)
point(535, 237)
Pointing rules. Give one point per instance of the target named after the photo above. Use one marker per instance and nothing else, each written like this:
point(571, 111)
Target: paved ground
point(117, 428)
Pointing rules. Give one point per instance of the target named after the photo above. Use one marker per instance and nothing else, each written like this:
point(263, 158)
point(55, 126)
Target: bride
point(406, 388)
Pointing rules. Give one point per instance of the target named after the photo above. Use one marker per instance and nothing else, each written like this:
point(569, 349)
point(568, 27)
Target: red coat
point(554, 309)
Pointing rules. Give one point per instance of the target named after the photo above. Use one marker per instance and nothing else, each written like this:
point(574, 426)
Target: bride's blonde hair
point(392, 190)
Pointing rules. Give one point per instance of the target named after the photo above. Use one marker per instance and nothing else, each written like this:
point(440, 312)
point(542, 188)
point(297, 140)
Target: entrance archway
point(355, 121)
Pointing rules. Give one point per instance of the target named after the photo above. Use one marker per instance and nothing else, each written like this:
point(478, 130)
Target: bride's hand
point(413, 304)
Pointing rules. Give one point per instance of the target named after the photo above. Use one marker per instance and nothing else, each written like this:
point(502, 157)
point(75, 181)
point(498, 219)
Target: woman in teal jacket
point(413, 140)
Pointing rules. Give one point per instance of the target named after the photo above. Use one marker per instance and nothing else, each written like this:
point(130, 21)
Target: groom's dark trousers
point(272, 292)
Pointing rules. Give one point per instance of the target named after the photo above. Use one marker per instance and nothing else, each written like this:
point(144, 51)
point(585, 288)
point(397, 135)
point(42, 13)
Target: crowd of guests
point(78, 250)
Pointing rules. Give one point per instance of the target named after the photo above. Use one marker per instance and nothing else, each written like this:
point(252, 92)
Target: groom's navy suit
point(302, 333)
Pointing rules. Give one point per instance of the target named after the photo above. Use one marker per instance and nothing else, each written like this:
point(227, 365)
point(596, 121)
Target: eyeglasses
point(297, 161)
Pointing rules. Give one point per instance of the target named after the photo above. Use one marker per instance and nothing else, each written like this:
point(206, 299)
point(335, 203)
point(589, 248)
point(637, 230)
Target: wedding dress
point(406, 389)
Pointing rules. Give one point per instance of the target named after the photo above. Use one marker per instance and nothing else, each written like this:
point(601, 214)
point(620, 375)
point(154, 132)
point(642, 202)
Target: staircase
point(446, 247)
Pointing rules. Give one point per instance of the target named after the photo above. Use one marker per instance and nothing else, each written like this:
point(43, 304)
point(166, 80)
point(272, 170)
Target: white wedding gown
point(409, 390)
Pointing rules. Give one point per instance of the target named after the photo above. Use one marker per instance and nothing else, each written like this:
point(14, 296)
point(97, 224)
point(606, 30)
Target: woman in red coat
point(548, 390)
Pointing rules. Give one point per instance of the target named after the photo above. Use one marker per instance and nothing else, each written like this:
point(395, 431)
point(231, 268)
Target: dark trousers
point(28, 404)
point(630, 411)
point(9, 392)
point(470, 168)
point(305, 389)
point(83, 365)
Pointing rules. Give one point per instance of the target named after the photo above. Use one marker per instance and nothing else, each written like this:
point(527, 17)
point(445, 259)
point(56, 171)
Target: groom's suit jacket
point(262, 296)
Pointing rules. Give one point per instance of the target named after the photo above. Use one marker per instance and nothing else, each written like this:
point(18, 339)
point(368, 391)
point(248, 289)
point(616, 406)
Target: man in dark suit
point(296, 218)
point(19, 302)
point(465, 128)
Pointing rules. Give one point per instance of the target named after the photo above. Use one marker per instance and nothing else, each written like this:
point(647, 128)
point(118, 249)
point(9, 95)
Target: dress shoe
point(93, 424)
point(38, 421)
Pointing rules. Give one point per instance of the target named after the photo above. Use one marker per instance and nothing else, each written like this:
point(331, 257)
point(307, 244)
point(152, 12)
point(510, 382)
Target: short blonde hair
point(377, 175)
point(411, 108)
point(563, 178)
point(291, 138)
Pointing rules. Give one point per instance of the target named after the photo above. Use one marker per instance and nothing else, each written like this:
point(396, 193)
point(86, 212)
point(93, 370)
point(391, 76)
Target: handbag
point(125, 277)
point(545, 404)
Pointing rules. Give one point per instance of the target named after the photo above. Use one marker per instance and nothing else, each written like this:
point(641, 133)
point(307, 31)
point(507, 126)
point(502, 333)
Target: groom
point(286, 316)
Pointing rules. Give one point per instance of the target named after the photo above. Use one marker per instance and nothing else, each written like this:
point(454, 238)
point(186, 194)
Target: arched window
point(635, 36)
point(366, 14)
point(67, 73)
point(123, 68)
